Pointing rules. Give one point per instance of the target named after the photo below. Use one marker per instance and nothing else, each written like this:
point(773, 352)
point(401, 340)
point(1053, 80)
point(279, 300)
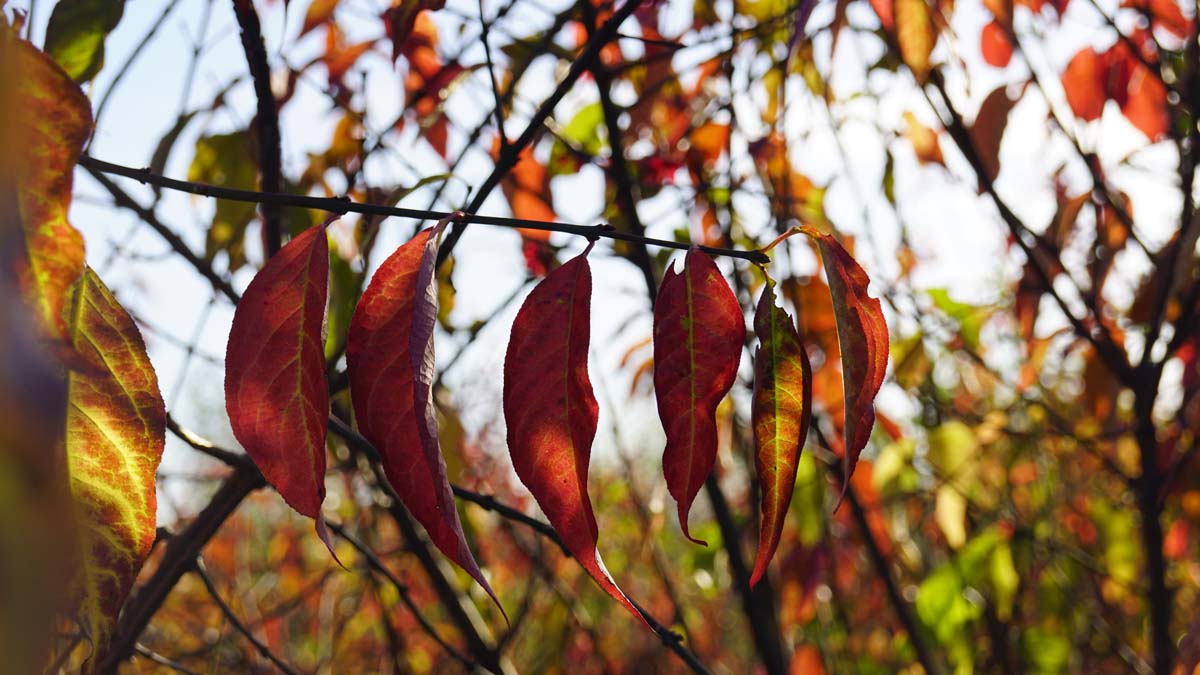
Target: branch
point(233, 619)
point(508, 158)
point(98, 167)
point(267, 123)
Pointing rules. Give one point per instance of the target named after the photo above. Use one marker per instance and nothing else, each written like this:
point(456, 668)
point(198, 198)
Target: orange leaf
point(994, 43)
point(698, 334)
point(924, 140)
point(863, 336)
point(52, 122)
point(551, 411)
point(916, 35)
point(275, 388)
point(116, 429)
point(1083, 82)
point(781, 411)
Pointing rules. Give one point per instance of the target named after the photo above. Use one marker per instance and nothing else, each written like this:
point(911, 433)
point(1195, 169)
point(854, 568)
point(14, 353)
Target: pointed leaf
point(116, 429)
point(698, 334)
point(76, 32)
point(275, 388)
point(551, 411)
point(863, 337)
point(780, 415)
point(52, 122)
point(389, 356)
point(987, 132)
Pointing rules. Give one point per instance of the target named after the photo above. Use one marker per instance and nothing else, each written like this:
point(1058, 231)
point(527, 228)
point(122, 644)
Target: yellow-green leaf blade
point(76, 31)
point(116, 427)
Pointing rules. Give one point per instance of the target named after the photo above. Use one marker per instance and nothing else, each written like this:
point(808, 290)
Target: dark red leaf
point(275, 388)
point(551, 411)
point(389, 356)
point(698, 335)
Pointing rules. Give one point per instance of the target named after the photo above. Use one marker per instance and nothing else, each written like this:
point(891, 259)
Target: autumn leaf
point(995, 44)
point(318, 12)
point(390, 359)
point(916, 35)
point(780, 415)
point(551, 411)
point(987, 131)
point(51, 123)
point(698, 334)
point(116, 430)
point(76, 32)
point(275, 389)
point(924, 140)
point(863, 337)
point(1083, 82)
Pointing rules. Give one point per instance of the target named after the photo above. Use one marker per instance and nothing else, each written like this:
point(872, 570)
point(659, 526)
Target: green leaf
point(227, 160)
point(76, 31)
point(583, 132)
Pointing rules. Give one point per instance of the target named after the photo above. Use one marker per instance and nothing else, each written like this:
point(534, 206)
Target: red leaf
point(863, 337)
point(995, 45)
point(987, 131)
point(389, 356)
point(551, 411)
point(698, 334)
point(275, 388)
point(1083, 81)
point(781, 412)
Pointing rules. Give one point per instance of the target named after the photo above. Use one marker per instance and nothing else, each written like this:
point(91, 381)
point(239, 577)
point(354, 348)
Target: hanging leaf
point(995, 44)
point(275, 389)
point(389, 356)
point(76, 31)
point(916, 35)
point(116, 430)
point(863, 337)
point(924, 141)
point(51, 123)
point(987, 132)
point(698, 335)
point(551, 411)
point(1083, 82)
point(227, 160)
point(780, 415)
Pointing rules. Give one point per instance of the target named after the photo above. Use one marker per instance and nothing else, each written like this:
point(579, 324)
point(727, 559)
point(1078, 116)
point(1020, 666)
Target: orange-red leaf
point(116, 429)
point(389, 355)
point(916, 35)
point(275, 388)
point(551, 411)
point(52, 122)
point(863, 337)
point(1083, 82)
point(780, 414)
point(994, 43)
point(698, 334)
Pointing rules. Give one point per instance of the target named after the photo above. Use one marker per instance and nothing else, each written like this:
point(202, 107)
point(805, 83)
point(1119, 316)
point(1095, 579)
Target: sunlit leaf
point(916, 35)
point(698, 334)
point(995, 44)
point(227, 160)
point(552, 413)
point(391, 365)
point(116, 430)
point(780, 415)
point(275, 389)
point(76, 32)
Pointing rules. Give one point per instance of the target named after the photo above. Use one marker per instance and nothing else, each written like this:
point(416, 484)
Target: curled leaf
point(698, 334)
point(780, 415)
point(863, 337)
point(390, 359)
point(275, 388)
point(551, 411)
point(116, 429)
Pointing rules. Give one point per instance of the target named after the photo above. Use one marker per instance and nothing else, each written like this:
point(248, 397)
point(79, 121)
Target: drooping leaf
point(987, 131)
point(924, 140)
point(116, 430)
point(275, 389)
point(76, 32)
point(551, 411)
point(780, 415)
point(863, 337)
point(51, 124)
point(1084, 85)
point(698, 334)
point(916, 35)
point(389, 356)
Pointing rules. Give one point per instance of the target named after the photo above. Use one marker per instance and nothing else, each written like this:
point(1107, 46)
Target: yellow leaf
point(916, 35)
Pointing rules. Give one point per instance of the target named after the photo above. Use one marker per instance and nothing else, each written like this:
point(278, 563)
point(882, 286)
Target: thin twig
point(262, 648)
